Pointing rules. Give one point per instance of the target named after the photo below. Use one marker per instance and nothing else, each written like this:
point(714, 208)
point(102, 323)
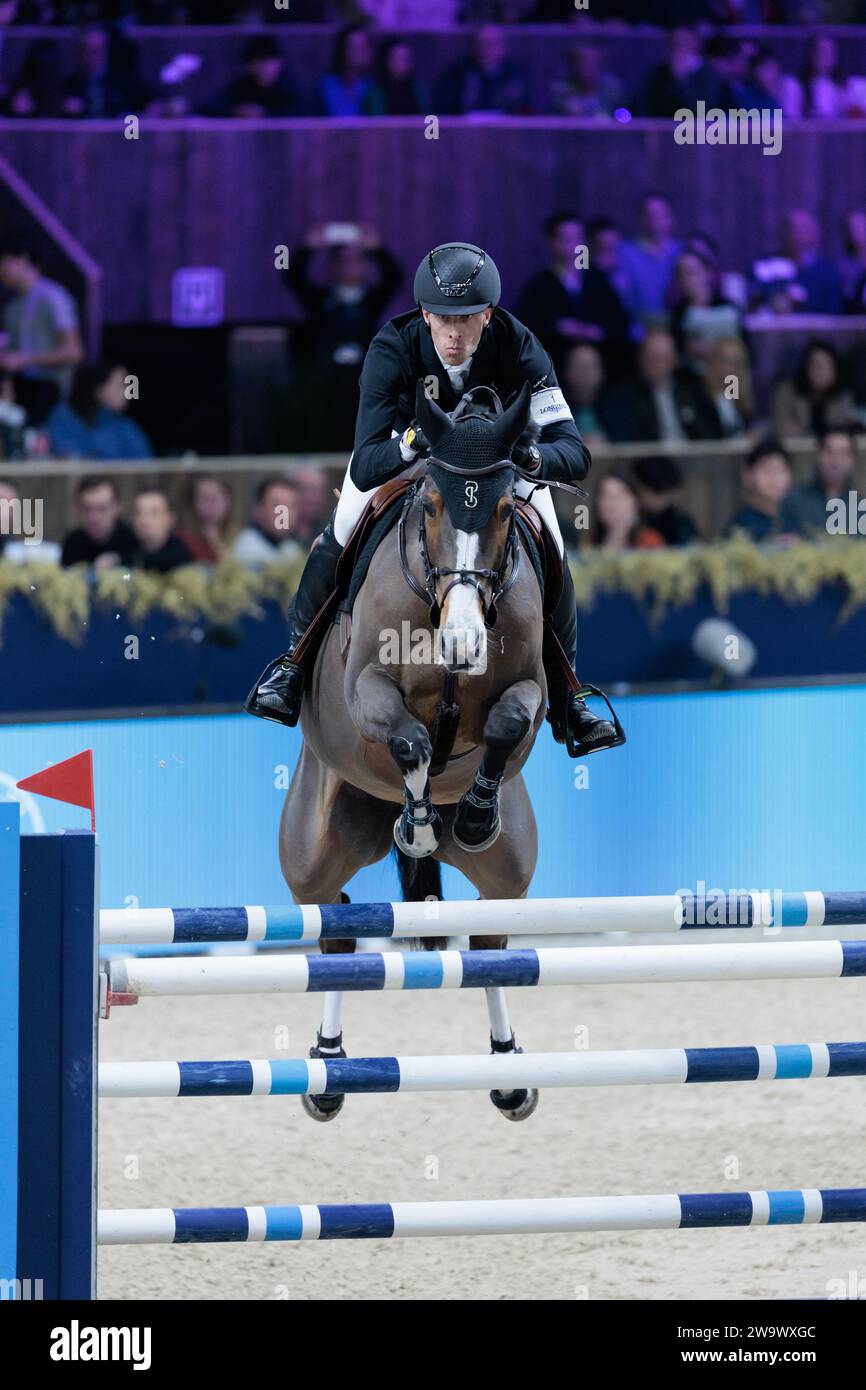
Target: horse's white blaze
point(425, 839)
point(462, 636)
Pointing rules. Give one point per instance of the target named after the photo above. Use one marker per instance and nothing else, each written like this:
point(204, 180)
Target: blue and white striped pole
point(521, 917)
point(512, 1216)
point(503, 1071)
point(803, 960)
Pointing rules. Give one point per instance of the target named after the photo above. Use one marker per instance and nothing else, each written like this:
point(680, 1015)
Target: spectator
point(41, 323)
point(592, 401)
point(102, 538)
point(98, 87)
point(728, 59)
point(684, 79)
point(728, 383)
point(647, 264)
point(730, 284)
point(564, 305)
point(853, 264)
point(36, 90)
point(313, 505)
point(343, 278)
point(766, 477)
point(9, 494)
point(398, 91)
point(586, 90)
point(658, 482)
point(666, 403)
point(816, 398)
point(617, 523)
point(348, 89)
point(13, 422)
point(485, 80)
point(158, 547)
point(821, 89)
point(699, 314)
point(270, 534)
point(265, 89)
point(93, 424)
point(766, 88)
point(802, 282)
point(806, 508)
point(207, 530)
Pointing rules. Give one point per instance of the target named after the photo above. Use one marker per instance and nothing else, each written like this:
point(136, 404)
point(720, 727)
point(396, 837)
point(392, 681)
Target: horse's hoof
point(482, 845)
point(322, 1108)
point(515, 1105)
point(425, 838)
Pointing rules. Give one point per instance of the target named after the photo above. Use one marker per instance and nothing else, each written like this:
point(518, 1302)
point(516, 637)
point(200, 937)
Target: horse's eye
point(507, 511)
point(429, 510)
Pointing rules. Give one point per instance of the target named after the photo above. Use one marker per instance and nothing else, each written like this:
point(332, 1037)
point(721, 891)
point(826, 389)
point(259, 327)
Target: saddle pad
point(386, 522)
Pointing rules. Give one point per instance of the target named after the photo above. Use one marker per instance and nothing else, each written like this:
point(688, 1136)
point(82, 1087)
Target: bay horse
point(455, 575)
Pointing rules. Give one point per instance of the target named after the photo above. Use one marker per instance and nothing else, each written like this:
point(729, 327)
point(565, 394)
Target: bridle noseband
point(474, 578)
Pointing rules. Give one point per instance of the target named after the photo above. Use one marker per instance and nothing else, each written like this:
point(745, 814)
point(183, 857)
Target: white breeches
point(352, 503)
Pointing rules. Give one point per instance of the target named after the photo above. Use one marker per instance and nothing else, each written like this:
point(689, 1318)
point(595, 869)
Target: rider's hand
point(413, 443)
point(526, 456)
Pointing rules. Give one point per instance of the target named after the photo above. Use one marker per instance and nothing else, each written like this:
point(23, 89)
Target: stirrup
point(278, 705)
point(563, 733)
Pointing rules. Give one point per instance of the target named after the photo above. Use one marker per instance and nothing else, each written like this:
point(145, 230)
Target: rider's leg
point(570, 718)
point(278, 692)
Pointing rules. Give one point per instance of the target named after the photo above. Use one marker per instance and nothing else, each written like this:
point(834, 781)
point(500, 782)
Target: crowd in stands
point(647, 333)
point(377, 73)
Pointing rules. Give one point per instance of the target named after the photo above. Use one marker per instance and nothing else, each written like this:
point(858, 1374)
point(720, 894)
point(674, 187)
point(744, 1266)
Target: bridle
point(474, 578)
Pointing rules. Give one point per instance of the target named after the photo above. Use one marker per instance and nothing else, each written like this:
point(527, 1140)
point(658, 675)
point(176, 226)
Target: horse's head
point(466, 523)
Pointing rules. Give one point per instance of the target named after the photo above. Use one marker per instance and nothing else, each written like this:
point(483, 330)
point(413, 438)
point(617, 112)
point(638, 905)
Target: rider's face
point(456, 336)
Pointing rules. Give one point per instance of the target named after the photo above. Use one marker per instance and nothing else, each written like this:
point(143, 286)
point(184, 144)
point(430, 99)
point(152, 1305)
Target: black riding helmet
point(457, 278)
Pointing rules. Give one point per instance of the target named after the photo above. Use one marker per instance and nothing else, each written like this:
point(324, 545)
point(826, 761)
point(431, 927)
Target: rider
point(461, 338)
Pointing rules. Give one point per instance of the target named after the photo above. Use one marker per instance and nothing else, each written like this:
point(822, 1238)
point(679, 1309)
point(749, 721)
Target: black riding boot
point(572, 722)
point(278, 692)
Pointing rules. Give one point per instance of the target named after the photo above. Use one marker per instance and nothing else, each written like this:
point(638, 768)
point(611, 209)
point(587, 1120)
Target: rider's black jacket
point(507, 356)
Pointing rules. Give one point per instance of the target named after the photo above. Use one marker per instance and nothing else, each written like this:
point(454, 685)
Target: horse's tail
point(419, 878)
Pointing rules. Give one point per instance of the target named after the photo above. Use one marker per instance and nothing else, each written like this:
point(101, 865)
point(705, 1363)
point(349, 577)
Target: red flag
point(71, 780)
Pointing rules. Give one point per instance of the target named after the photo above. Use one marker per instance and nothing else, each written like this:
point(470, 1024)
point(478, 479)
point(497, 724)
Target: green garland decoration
point(656, 579)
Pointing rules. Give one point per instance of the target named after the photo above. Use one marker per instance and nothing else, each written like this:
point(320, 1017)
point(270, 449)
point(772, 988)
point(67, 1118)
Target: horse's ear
point(510, 425)
point(433, 421)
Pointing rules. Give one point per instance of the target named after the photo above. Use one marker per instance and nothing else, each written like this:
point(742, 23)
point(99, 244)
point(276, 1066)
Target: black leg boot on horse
point(278, 692)
point(572, 722)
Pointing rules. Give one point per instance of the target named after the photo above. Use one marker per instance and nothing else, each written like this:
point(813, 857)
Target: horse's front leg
point(476, 822)
point(379, 714)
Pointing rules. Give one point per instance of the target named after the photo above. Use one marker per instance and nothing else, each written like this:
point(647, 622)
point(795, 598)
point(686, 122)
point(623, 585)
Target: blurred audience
point(617, 522)
point(647, 264)
point(852, 267)
point(728, 383)
point(348, 88)
point(206, 530)
point(102, 84)
point(766, 480)
point(821, 89)
point(586, 89)
point(313, 502)
point(485, 80)
point(592, 401)
point(800, 280)
point(93, 424)
point(8, 494)
point(665, 402)
point(398, 91)
point(343, 278)
point(805, 509)
point(41, 325)
point(270, 535)
point(659, 482)
point(816, 397)
point(157, 544)
point(684, 79)
point(563, 304)
point(264, 89)
point(102, 538)
point(700, 315)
